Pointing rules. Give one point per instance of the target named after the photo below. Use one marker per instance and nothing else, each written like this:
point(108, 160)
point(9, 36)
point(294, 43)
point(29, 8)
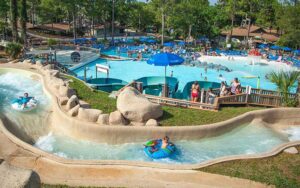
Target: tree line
point(176, 18)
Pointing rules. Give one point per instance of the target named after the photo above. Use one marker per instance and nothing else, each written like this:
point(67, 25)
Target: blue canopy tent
point(274, 47)
point(165, 59)
point(287, 49)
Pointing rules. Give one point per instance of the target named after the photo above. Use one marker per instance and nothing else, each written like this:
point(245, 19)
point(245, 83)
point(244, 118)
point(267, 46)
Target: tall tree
point(14, 19)
point(4, 9)
point(23, 20)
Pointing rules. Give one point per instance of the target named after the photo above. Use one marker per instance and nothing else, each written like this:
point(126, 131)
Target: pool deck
point(56, 170)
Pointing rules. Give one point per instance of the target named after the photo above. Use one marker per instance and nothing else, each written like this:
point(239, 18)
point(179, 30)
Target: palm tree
point(14, 19)
point(23, 20)
point(284, 82)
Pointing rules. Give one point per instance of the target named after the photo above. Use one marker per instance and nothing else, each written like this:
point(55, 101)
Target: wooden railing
point(174, 102)
point(181, 103)
point(257, 97)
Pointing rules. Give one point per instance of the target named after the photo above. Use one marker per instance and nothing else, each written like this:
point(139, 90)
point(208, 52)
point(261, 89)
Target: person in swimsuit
point(195, 91)
point(164, 144)
point(234, 84)
point(223, 89)
point(25, 99)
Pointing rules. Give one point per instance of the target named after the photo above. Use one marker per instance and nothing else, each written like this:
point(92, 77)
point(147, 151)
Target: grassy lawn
point(172, 116)
point(282, 170)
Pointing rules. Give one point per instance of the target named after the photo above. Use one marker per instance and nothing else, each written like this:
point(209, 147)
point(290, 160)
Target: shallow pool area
point(243, 140)
point(244, 69)
point(14, 84)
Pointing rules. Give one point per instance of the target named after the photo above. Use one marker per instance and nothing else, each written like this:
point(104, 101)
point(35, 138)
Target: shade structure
point(286, 49)
point(274, 47)
point(165, 59)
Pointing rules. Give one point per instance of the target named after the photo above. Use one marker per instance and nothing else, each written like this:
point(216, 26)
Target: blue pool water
point(14, 84)
point(132, 70)
point(246, 139)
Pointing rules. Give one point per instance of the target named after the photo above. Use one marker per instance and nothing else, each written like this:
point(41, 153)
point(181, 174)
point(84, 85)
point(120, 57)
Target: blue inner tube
point(156, 152)
point(21, 100)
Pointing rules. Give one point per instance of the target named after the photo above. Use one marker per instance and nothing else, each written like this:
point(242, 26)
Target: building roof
point(255, 31)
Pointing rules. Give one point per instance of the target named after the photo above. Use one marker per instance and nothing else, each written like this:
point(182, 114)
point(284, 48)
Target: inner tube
point(153, 149)
point(17, 104)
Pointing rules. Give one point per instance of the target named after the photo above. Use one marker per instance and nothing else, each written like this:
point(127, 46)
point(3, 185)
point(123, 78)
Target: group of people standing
point(234, 89)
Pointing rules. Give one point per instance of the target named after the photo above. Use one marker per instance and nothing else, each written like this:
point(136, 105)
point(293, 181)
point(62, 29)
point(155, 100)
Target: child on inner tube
point(165, 143)
point(25, 99)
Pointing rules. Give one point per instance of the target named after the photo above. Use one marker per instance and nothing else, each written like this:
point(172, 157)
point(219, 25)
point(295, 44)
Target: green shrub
point(13, 49)
point(51, 42)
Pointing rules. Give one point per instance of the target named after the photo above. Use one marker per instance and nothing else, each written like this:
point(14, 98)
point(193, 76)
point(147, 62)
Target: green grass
point(97, 99)
point(282, 170)
point(173, 116)
point(183, 116)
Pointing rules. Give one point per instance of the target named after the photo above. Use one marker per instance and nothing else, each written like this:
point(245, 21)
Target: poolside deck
point(256, 97)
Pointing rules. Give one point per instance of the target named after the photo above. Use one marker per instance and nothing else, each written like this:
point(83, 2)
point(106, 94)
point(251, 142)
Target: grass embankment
point(172, 116)
point(282, 170)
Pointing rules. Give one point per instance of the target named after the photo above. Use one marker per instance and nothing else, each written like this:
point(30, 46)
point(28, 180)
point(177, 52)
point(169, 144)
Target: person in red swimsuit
point(195, 91)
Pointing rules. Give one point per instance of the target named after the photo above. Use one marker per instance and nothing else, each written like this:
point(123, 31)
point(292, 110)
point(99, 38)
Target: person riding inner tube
point(161, 148)
point(24, 103)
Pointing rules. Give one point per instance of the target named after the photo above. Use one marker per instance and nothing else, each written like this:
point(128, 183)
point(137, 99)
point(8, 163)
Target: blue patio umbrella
point(151, 41)
point(262, 46)
point(129, 41)
point(168, 44)
point(181, 43)
point(297, 51)
point(274, 47)
point(143, 39)
point(165, 59)
point(287, 49)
